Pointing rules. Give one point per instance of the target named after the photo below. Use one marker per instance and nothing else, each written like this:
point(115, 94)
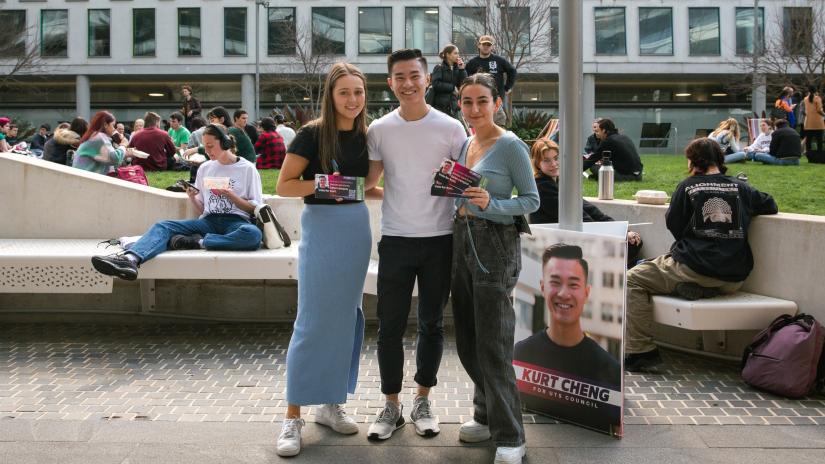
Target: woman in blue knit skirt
point(323, 355)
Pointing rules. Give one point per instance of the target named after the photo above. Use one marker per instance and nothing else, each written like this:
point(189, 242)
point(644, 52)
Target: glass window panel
point(15, 22)
point(328, 29)
point(797, 30)
point(189, 31)
point(54, 33)
point(515, 28)
point(610, 31)
point(375, 30)
point(421, 29)
point(554, 31)
point(744, 30)
point(656, 31)
point(703, 31)
point(281, 31)
point(143, 40)
point(100, 32)
point(468, 25)
point(234, 31)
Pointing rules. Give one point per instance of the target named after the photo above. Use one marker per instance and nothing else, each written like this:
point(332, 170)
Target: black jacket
point(548, 212)
point(625, 158)
point(592, 144)
point(445, 82)
point(498, 67)
point(709, 216)
point(786, 143)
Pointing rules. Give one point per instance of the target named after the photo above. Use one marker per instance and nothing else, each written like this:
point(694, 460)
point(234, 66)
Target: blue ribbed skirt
point(333, 257)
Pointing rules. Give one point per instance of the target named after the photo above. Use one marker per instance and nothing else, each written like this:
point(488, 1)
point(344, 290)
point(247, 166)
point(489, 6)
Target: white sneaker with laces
point(425, 423)
point(388, 421)
point(334, 417)
point(289, 441)
point(473, 432)
point(507, 455)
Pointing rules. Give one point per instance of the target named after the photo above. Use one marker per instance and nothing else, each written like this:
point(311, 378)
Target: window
point(608, 280)
point(468, 24)
point(15, 22)
point(100, 32)
point(234, 31)
point(189, 31)
point(703, 31)
point(797, 30)
point(607, 312)
point(375, 30)
point(515, 28)
point(54, 33)
point(281, 31)
point(610, 31)
point(554, 31)
point(421, 29)
point(143, 32)
point(328, 28)
point(744, 31)
point(655, 31)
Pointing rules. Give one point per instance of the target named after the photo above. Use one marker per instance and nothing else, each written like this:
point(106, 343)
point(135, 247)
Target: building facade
point(661, 69)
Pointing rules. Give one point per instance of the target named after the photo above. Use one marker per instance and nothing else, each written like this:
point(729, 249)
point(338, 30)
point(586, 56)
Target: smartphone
point(184, 185)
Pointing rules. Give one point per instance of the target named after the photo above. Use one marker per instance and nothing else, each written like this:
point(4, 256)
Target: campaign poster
point(570, 306)
point(452, 179)
point(332, 187)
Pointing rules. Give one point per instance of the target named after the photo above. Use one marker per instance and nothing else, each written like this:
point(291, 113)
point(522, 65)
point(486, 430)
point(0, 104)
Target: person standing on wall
point(502, 71)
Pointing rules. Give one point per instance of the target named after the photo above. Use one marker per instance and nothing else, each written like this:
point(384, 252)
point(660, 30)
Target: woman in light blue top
point(96, 152)
point(486, 265)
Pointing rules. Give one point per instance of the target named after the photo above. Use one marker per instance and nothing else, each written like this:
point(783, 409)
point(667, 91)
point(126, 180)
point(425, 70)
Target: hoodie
point(56, 147)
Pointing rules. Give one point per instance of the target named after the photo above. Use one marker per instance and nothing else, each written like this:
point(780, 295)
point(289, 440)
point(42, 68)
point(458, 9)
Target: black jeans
point(401, 261)
point(485, 321)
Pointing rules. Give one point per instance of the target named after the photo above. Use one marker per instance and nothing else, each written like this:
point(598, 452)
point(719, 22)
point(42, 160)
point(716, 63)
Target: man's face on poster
point(565, 290)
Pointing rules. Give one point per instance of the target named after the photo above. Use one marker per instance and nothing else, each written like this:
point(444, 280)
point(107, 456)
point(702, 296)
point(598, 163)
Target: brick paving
point(236, 373)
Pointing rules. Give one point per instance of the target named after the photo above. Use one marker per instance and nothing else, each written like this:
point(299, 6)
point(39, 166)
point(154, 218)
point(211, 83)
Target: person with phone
point(224, 222)
point(323, 356)
point(446, 78)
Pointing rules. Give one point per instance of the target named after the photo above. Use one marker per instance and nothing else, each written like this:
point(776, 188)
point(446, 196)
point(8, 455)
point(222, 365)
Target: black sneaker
point(116, 265)
point(691, 291)
point(642, 361)
point(185, 242)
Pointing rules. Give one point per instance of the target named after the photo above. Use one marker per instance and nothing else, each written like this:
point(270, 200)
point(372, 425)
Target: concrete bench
point(737, 311)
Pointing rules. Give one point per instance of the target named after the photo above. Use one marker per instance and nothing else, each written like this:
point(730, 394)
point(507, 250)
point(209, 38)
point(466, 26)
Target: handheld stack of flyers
point(332, 187)
point(452, 179)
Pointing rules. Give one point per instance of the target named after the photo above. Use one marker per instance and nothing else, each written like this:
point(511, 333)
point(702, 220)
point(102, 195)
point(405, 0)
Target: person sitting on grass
point(727, 136)
point(785, 148)
point(762, 144)
point(709, 215)
point(619, 148)
point(227, 190)
point(97, 151)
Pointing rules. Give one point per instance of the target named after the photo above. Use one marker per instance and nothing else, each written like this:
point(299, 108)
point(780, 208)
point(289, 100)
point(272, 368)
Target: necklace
point(477, 149)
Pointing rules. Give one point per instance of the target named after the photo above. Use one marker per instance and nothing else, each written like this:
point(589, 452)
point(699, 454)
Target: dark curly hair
point(704, 153)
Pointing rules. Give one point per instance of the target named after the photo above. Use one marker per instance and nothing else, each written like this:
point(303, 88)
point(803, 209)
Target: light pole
point(258, 4)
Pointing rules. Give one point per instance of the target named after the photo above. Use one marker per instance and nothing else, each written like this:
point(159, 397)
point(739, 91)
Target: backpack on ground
point(274, 234)
point(131, 174)
point(786, 358)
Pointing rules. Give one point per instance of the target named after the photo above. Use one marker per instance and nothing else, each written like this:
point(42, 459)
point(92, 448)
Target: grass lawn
point(797, 189)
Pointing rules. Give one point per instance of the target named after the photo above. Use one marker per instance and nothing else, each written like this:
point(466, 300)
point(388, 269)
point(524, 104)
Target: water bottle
point(606, 177)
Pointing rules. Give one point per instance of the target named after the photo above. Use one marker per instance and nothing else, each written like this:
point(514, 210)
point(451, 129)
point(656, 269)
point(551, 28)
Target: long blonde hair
point(328, 146)
point(729, 125)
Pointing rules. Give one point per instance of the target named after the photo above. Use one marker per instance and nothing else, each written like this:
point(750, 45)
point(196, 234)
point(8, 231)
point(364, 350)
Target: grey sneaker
point(388, 421)
point(510, 455)
point(473, 432)
point(425, 423)
point(334, 417)
point(289, 441)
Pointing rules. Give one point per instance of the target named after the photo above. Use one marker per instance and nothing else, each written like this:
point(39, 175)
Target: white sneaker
point(425, 423)
point(334, 417)
point(505, 455)
point(388, 421)
point(473, 432)
point(289, 442)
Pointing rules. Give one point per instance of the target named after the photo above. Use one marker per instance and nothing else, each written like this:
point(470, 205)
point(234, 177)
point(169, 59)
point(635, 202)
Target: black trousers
point(402, 261)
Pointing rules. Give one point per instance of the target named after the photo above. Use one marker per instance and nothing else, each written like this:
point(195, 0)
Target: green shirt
point(245, 148)
point(180, 136)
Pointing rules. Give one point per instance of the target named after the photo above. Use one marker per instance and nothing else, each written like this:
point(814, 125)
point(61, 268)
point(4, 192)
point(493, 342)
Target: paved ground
point(214, 393)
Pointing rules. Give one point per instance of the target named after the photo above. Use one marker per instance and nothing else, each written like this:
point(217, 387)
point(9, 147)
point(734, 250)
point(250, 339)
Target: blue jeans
point(220, 232)
point(766, 158)
point(739, 156)
point(485, 321)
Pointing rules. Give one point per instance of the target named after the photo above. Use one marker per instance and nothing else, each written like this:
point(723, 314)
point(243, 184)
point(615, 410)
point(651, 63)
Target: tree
point(18, 56)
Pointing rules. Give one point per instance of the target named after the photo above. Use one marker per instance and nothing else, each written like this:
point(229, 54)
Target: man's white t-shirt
point(411, 152)
point(287, 133)
point(244, 180)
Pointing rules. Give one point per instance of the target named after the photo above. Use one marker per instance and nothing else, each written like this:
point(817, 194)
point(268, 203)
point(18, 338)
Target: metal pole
point(756, 93)
point(257, 61)
point(570, 111)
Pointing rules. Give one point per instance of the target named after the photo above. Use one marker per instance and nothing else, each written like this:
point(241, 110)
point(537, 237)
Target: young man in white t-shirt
point(408, 146)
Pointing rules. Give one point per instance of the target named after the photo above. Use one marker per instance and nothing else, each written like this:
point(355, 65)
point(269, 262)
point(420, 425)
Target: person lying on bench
point(709, 215)
point(226, 191)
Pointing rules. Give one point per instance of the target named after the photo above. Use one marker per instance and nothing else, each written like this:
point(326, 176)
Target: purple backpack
point(785, 357)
